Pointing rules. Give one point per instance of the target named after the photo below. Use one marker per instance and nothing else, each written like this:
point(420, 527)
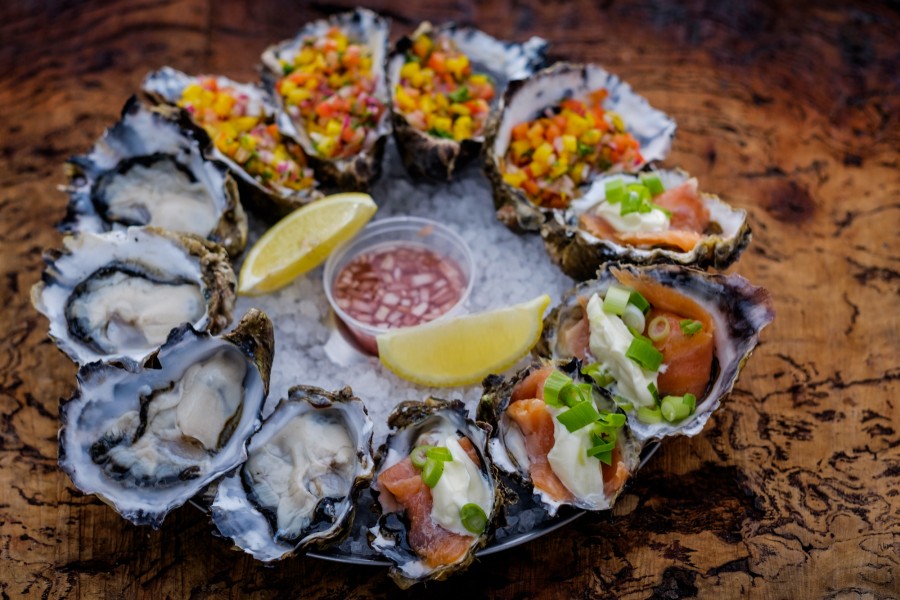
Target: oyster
point(146, 438)
point(584, 463)
point(482, 66)
point(119, 294)
point(436, 491)
point(298, 487)
point(701, 230)
point(612, 130)
point(240, 120)
point(329, 83)
point(698, 331)
point(150, 169)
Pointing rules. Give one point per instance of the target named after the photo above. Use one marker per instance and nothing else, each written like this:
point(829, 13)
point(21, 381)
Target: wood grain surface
point(790, 110)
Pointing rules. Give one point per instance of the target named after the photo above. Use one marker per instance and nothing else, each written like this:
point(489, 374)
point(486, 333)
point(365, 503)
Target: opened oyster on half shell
point(655, 217)
point(117, 295)
point(240, 119)
point(558, 131)
point(299, 485)
point(436, 491)
point(445, 82)
point(150, 169)
point(556, 431)
point(329, 84)
point(668, 342)
point(146, 438)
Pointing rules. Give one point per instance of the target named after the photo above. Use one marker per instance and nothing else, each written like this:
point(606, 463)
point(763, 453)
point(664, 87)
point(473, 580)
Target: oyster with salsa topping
point(559, 130)
point(298, 488)
point(328, 81)
point(657, 217)
point(150, 168)
point(240, 120)
point(436, 491)
point(444, 83)
point(668, 342)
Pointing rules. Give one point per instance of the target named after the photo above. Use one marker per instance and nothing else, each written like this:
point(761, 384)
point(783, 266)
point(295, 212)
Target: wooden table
point(789, 111)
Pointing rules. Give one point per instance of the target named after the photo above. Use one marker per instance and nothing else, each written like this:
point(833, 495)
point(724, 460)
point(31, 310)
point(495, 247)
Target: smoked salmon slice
point(536, 424)
point(687, 208)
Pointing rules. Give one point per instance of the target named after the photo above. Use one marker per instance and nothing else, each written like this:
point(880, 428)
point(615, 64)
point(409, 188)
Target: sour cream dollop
point(461, 483)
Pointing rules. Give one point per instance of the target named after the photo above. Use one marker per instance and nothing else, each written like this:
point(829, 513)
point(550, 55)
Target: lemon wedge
point(302, 241)
point(463, 350)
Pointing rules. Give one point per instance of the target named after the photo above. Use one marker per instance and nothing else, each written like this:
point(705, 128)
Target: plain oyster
point(721, 315)
point(351, 96)
point(118, 294)
point(435, 155)
point(299, 485)
point(146, 438)
point(150, 169)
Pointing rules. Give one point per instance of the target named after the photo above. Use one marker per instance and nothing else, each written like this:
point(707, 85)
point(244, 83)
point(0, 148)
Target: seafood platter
point(286, 428)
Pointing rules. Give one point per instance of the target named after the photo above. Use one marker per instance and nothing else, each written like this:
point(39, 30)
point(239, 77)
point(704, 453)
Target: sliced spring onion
point(473, 518)
point(674, 408)
point(649, 415)
point(691, 400)
point(653, 183)
point(689, 327)
point(611, 419)
point(643, 353)
point(598, 373)
point(651, 387)
point(616, 300)
point(623, 403)
point(418, 456)
point(602, 449)
point(659, 329)
point(634, 318)
point(615, 190)
point(553, 385)
point(578, 416)
point(631, 204)
point(574, 393)
point(432, 471)
point(439, 453)
point(461, 94)
point(638, 300)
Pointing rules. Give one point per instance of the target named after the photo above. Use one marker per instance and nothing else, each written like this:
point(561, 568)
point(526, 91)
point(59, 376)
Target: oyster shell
point(528, 99)
point(579, 253)
point(299, 485)
point(358, 167)
point(119, 294)
point(737, 312)
point(150, 169)
point(401, 537)
point(274, 187)
point(433, 157)
point(586, 483)
point(146, 438)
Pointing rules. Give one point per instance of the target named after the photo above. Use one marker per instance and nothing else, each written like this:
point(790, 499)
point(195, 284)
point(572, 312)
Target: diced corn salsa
point(438, 92)
point(237, 125)
point(550, 157)
point(329, 86)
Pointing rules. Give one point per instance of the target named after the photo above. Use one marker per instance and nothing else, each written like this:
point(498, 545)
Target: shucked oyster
point(240, 120)
point(559, 130)
point(554, 429)
point(299, 485)
point(436, 491)
point(150, 169)
point(147, 438)
point(668, 342)
point(329, 82)
point(119, 294)
point(444, 83)
point(674, 223)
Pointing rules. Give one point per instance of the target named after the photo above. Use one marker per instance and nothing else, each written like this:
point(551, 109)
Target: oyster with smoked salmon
point(555, 429)
point(655, 217)
point(435, 489)
point(667, 342)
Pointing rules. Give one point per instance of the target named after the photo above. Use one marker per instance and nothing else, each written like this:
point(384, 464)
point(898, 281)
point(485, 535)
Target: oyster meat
point(445, 83)
point(667, 341)
point(436, 491)
point(146, 438)
point(299, 485)
point(150, 169)
point(676, 224)
point(119, 294)
point(556, 431)
point(240, 120)
point(559, 130)
point(329, 83)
